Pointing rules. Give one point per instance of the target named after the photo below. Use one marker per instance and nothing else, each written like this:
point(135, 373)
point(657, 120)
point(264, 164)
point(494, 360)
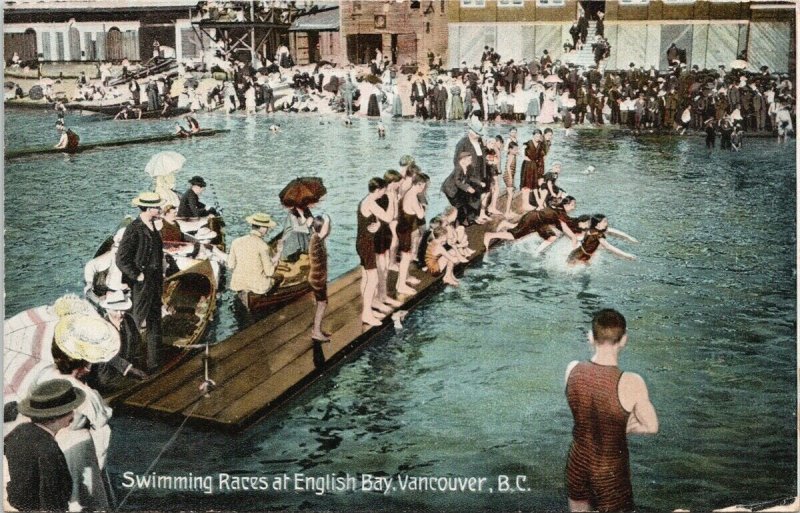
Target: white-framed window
point(684, 2)
point(634, 2)
point(550, 3)
point(511, 3)
point(473, 3)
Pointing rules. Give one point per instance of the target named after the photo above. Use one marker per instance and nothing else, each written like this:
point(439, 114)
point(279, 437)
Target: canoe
point(294, 284)
point(206, 132)
point(113, 110)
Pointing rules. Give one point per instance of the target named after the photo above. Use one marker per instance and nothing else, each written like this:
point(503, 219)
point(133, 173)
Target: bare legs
point(316, 331)
point(369, 288)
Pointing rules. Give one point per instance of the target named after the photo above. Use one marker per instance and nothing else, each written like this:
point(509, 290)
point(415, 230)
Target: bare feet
point(391, 302)
point(381, 307)
point(494, 211)
point(452, 283)
point(405, 289)
point(486, 241)
point(371, 320)
point(320, 337)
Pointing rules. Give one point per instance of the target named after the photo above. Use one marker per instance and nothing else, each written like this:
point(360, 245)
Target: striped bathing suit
point(598, 469)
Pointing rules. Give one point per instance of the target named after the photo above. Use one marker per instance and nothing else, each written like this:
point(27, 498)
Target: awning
point(320, 20)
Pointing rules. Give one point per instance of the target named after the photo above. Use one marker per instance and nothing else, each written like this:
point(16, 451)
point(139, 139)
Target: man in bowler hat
point(190, 205)
point(39, 478)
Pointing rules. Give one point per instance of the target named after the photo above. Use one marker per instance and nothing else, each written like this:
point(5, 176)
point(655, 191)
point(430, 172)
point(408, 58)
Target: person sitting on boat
point(128, 112)
point(69, 140)
point(180, 131)
point(194, 248)
point(121, 371)
point(194, 126)
point(593, 239)
point(190, 205)
point(101, 273)
point(251, 259)
point(79, 342)
point(318, 273)
point(438, 258)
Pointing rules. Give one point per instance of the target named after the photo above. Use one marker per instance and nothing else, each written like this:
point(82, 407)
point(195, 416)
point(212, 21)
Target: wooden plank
point(160, 386)
point(242, 370)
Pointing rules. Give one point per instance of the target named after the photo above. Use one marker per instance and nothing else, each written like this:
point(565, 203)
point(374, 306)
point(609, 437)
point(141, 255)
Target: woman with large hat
point(80, 341)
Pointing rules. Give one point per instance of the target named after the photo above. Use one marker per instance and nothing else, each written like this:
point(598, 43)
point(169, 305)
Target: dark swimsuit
point(383, 237)
point(589, 244)
point(539, 221)
point(365, 241)
point(406, 224)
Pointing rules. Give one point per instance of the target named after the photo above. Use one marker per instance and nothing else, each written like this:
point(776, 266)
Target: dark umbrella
point(302, 192)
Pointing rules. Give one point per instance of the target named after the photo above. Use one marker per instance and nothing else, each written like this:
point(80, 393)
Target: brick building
point(403, 30)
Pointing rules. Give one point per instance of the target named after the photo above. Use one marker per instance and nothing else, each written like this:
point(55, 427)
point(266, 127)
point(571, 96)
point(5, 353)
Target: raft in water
point(13, 154)
point(267, 364)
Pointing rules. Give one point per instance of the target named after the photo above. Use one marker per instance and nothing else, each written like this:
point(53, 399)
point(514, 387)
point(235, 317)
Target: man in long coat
point(140, 259)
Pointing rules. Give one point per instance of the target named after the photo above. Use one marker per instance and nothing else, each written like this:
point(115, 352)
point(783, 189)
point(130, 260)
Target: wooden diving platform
point(263, 366)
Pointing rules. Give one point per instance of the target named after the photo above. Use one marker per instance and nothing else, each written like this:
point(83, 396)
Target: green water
point(473, 383)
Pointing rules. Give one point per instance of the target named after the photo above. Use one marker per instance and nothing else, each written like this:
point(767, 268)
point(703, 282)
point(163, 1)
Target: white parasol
point(27, 338)
point(164, 163)
point(738, 64)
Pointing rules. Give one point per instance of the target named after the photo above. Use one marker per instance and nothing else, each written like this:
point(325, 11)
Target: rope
point(161, 453)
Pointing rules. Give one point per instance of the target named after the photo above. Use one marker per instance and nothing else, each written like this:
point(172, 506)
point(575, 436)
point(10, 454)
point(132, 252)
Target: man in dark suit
point(190, 205)
point(39, 478)
point(472, 143)
point(419, 91)
point(583, 27)
point(140, 259)
point(441, 101)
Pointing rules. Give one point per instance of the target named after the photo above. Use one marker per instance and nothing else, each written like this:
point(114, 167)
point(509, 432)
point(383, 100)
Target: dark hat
point(51, 399)
point(197, 180)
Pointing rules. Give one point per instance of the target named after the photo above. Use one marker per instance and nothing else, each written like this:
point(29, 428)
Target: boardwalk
point(263, 366)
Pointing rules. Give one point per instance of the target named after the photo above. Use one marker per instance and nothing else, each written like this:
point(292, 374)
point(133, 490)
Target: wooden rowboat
point(294, 284)
point(45, 150)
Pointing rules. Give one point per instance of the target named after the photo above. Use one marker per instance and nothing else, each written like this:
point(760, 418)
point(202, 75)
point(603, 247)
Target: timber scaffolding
point(267, 364)
point(260, 31)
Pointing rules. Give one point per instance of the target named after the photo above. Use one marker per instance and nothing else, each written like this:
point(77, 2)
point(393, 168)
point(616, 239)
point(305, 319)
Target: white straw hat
point(89, 338)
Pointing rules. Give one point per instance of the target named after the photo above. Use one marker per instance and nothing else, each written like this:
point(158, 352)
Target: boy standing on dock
point(606, 404)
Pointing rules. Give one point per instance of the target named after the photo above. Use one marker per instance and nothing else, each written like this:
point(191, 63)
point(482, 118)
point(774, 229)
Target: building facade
point(712, 32)
point(99, 30)
point(405, 31)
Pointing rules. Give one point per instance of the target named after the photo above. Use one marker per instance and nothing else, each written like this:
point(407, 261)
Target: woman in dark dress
point(530, 171)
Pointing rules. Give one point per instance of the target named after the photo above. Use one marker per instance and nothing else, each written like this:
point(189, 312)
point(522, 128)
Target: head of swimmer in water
point(584, 222)
point(599, 222)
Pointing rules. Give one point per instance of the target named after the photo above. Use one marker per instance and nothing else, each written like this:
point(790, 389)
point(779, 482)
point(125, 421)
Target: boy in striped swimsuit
point(606, 404)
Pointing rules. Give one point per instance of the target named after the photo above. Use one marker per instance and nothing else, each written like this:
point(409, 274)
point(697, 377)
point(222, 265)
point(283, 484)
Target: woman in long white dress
point(520, 101)
point(548, 113)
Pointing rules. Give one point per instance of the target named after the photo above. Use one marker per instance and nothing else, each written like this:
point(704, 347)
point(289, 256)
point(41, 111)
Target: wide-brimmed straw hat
point(261, 219)
point(205, 234)
point(149, 200)
point(475, 125)
point(71, 304)
point(51, 399)
point(116, 300)
point(89, 338)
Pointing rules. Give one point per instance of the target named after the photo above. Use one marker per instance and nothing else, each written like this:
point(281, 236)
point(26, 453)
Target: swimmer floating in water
point(381, 130)
point(274, 128)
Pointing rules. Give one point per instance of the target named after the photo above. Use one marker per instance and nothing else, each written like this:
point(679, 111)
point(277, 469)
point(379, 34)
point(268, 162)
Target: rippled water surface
point(473, 383)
